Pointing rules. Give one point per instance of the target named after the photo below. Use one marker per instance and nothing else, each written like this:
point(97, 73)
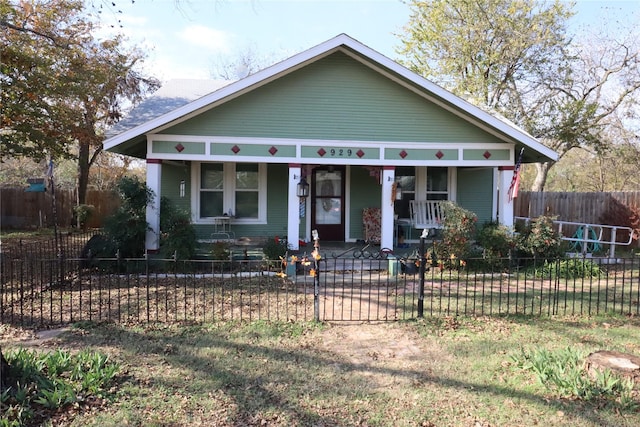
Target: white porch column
point(505, 206)
point(293, 210)
point(386, 207)
point(154, 174)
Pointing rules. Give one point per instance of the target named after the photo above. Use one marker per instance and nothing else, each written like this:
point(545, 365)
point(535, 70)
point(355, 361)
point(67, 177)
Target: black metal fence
point(43, 293)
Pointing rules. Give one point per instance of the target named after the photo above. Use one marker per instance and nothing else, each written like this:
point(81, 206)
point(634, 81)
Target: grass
point(459, 372)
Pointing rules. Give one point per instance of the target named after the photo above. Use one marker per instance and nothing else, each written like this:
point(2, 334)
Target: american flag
point(515, 181)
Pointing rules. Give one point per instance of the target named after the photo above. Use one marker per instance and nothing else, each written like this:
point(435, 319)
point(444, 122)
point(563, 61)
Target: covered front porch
point(388, 206)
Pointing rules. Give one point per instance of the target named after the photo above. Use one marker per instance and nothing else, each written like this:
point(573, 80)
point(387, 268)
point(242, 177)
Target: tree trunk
point(542, 171)
point(624, 364)
point(83, 172)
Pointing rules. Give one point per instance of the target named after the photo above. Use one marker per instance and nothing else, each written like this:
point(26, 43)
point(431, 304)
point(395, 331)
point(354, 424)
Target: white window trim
point(229, 196)
point(421, 183)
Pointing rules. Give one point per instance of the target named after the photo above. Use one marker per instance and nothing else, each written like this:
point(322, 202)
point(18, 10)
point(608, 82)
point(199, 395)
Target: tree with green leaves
point(516, 58)
point(62, 86)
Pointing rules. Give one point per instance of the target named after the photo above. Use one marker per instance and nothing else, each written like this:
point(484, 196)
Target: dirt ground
point(384, 348)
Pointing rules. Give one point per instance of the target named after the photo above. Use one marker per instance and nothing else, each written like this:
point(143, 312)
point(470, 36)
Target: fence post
point(316, 278)
point(421, 269)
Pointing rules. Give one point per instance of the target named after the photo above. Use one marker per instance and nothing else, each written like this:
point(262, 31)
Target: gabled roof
point(166, 109)
point(173, 94)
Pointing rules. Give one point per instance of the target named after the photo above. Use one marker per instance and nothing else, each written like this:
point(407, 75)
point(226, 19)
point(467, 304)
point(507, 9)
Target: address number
point(341, 152)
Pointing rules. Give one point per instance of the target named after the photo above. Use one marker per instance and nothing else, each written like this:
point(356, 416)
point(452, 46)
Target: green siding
point(365, 192)
point(485, 154)
point(256, 150)
point(170, 147)
point(419, 154)
point(333, 98)
point(170, 185)
point(475, 192)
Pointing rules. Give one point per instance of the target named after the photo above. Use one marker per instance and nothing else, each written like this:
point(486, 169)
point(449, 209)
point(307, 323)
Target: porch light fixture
point(182, 188)
point(398, 191)
point(303, 189)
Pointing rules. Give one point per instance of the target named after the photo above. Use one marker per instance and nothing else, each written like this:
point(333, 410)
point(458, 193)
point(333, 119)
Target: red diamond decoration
point(439, 154)
point(273, 150)
point(487, 154)
point(179, 148)
point(403, 154)
point(360, 153)
point(235, 149)
point(322, 152)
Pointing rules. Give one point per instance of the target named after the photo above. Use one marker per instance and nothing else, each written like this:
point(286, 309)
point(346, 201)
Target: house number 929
point(341, 152)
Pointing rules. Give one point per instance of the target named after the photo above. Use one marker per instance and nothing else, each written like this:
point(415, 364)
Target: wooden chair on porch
point(426, 214)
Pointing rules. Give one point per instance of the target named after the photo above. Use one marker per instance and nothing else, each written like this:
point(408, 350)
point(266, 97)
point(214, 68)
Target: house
point(359, 129)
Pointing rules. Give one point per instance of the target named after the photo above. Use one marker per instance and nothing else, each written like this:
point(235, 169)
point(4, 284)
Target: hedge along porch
point(349, 121)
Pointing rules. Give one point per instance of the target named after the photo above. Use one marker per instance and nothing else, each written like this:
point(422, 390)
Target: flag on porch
point(515, 181)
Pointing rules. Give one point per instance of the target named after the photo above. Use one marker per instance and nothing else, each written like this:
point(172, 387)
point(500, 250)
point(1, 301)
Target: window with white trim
point(234, 189)
point(437, 183)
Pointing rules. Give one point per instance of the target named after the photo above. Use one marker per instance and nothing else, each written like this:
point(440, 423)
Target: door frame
point(337, 232)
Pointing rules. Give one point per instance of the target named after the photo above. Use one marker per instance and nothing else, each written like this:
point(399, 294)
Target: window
point(422, 183)
point(406, 178)
point(437, 183)
point(211, 190)
point(247, 190)
point(235, 189)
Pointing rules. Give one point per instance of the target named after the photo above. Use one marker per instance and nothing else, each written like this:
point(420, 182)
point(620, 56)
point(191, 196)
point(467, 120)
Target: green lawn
point(432, 372)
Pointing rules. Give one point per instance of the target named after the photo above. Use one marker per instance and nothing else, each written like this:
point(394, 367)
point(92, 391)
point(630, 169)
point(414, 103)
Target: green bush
point(275, 249)
point(126, 228)
point(497, 242)
point(574, 268)
point(220, 251)
point(177, 235)
point(82, 214)
point(541, 240)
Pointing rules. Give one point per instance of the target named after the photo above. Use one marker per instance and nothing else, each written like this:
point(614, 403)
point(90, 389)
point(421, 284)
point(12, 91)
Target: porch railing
point(589, 237)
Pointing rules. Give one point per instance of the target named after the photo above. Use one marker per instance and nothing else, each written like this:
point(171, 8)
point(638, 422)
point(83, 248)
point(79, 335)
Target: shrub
point(275, 249)
point(126, 228)
point(541, 240)
point(458, 231)
point(177, 235)
point(82, 214)
point(497, 242)
point(575, 268)
point(220, 251)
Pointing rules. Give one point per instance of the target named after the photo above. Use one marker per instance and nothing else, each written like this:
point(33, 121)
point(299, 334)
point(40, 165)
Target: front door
point(327, 203)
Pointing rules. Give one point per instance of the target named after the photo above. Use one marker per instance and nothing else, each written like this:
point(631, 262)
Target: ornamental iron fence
point(43, 293)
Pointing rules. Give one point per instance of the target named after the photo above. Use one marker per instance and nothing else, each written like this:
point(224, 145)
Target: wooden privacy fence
point(21, 209)
point(614, 208)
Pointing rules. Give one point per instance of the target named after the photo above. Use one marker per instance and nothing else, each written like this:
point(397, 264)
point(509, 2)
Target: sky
point(187, 38)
